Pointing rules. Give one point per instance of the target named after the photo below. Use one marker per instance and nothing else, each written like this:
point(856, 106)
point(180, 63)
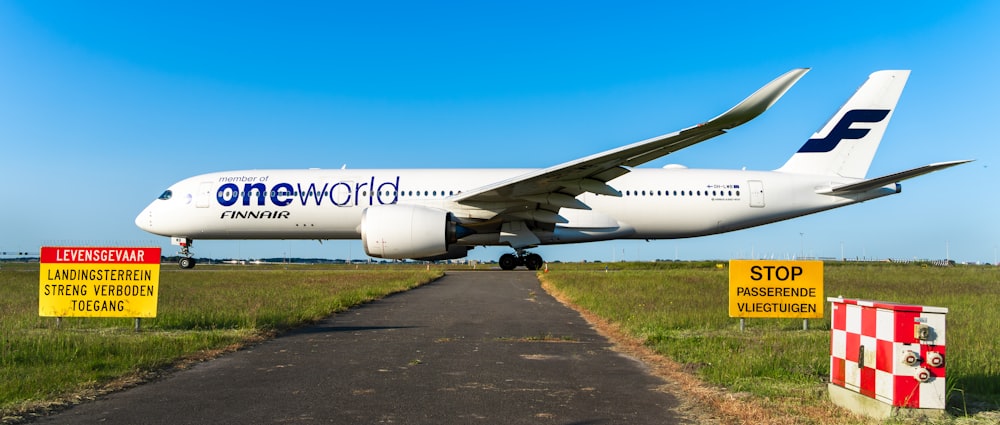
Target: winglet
point(758, 102)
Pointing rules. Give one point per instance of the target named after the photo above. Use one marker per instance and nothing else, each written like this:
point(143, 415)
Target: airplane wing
point(556, 187)
point(878, 182)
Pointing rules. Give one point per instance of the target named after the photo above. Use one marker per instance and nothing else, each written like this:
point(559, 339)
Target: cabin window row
point(363, 193)
point(403, 193)
point(682, 193)
point(452, 193)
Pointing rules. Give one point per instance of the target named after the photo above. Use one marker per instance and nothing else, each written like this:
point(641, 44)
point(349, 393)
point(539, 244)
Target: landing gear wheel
point(530, 261)
point(508, 262)
point(533, 261)
point(186, 263)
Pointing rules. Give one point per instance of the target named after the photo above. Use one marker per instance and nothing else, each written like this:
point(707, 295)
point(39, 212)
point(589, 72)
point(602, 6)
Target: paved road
point(473, 347)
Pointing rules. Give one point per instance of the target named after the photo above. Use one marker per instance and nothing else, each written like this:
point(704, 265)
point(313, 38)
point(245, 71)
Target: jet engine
point(409, 231)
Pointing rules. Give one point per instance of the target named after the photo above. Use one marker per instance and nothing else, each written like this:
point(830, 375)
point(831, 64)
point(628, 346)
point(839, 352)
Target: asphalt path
point(472, 347)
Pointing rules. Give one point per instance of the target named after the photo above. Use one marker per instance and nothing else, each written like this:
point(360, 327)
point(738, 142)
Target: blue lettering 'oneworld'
point(312, 192)
point(340, 194)
point(281, 194)
point(228, 194)
point(843, 130)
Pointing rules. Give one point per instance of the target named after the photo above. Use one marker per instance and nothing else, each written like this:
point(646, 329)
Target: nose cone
point(144, 220)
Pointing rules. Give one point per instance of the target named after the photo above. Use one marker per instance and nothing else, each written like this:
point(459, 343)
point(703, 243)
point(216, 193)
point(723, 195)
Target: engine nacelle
point(454, 251)
point(406, 231)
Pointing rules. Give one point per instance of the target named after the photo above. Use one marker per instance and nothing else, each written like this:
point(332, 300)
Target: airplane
point(438, 214)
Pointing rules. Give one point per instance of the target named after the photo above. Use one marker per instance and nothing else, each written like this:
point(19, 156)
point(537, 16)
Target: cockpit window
point(166, 195)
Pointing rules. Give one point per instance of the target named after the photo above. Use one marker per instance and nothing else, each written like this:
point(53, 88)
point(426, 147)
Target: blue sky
point(105, 104)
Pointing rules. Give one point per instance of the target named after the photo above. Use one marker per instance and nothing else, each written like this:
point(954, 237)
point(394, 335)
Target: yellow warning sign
point(776, 289)
point(98, 282)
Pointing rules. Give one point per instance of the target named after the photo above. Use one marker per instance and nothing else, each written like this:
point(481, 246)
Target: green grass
point(681, 311)
point(200, 311)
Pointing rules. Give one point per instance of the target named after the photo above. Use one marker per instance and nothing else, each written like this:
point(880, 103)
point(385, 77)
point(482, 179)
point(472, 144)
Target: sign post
point(776, 289)
point(98, 282)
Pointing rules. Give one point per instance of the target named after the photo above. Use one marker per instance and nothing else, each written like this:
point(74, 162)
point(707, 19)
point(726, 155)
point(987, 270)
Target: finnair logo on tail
point(843, 130)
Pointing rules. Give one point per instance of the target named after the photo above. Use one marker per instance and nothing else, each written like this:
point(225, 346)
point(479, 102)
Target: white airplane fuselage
point(328, 204)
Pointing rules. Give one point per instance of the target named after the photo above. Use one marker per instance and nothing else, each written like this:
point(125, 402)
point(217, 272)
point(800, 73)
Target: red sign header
point(57, 254)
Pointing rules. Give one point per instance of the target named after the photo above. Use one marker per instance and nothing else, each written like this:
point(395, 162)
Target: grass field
point(677, 309)
point(201, 313)
point(681, 311)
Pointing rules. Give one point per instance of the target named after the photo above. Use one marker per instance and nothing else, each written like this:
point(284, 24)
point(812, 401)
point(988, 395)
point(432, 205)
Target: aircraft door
point(204, 195)
point(756, 193)
point(341, 193)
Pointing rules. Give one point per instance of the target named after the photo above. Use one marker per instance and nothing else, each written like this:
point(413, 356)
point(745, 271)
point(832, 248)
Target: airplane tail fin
point(846, 145)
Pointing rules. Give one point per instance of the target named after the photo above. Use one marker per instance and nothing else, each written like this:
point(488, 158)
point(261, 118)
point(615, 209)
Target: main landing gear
point(511, 261)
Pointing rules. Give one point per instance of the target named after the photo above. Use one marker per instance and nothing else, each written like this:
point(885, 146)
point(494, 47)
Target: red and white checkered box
point(894, 353)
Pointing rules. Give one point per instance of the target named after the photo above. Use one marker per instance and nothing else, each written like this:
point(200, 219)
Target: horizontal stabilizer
point(878, 182)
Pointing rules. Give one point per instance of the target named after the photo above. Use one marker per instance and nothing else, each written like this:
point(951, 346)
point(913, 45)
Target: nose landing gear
point(530, 261)
point(186, 261)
